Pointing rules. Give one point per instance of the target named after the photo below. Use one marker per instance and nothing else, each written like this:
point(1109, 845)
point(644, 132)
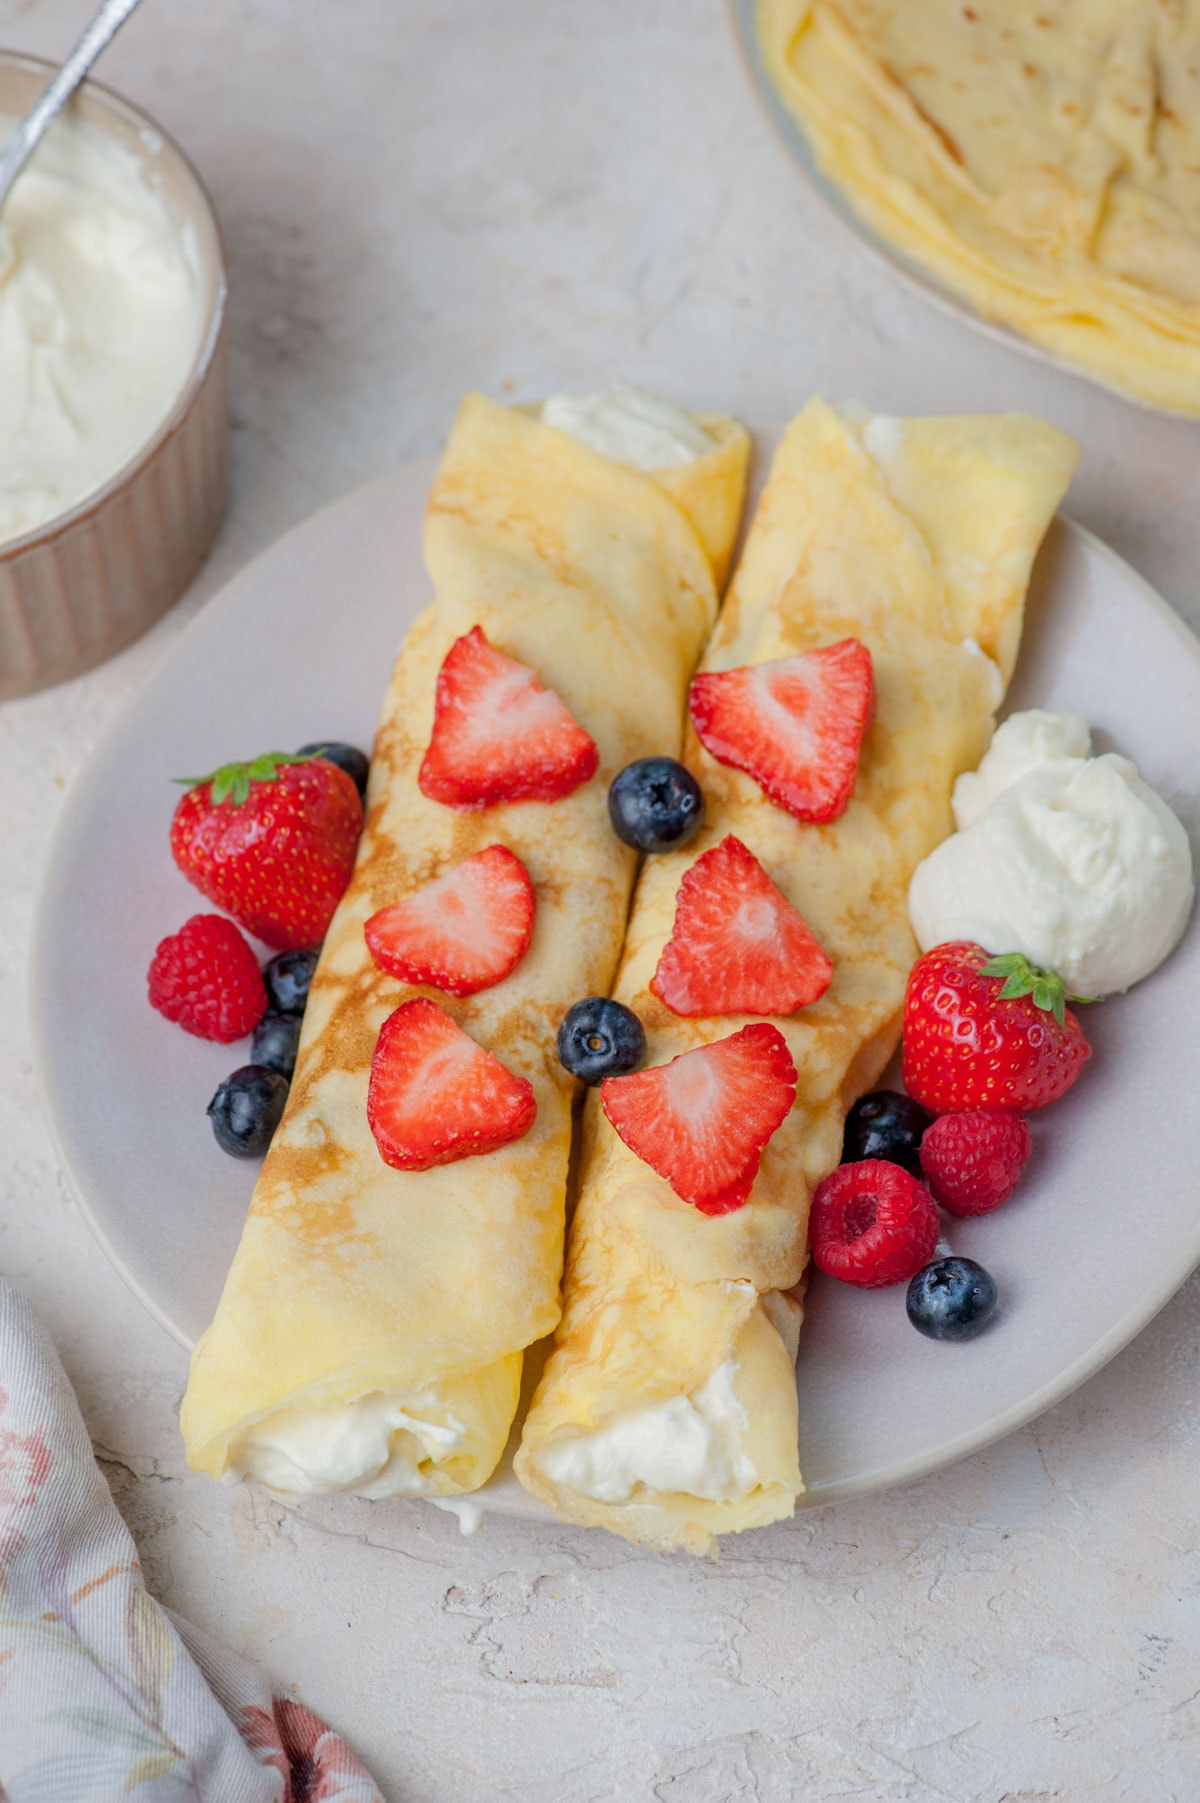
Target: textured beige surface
point(1023, 1626)
point(923, 551)
point(1043, 161)
point(353, 1278)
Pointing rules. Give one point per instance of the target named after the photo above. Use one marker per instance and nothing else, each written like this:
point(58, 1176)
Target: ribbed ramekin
point(85, 584)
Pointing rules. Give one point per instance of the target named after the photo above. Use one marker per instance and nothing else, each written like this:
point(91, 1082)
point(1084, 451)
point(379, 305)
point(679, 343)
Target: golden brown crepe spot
point(939, 131)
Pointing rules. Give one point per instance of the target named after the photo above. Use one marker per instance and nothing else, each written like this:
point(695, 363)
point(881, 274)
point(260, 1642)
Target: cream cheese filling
point(690, 1445)
point(382, 1444)
point(629, 426)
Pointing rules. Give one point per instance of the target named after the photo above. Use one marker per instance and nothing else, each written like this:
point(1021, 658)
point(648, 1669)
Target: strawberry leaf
point(1016, 984)
point(1050, 997)
point(1044, 987)
point(232, 781)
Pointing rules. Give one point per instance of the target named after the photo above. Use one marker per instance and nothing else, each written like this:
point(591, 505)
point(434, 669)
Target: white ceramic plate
point(298, 647)
point(742, 14)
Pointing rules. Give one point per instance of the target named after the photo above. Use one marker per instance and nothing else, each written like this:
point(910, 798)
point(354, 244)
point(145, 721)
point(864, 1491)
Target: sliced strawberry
point(795, 725)
point(436, 1096)
point(498, 735)
point(702, 1120)
point(462, 932)
point(737, 946)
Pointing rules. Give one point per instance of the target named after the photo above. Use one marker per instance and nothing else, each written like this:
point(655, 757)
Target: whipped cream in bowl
point(1071, 859)
point(100, 320)
point(113, 404)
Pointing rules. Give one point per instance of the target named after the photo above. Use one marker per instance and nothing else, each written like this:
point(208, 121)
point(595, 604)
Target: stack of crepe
point(1043, 161)
point(667, 1411)
point(371, 1331)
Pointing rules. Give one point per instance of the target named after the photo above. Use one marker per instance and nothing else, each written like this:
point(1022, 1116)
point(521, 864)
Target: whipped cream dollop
point(1020, 744)
point(1071, 859)
point(100, 319)
point(688, 1444)
point(380, 1445)
point(629, 426)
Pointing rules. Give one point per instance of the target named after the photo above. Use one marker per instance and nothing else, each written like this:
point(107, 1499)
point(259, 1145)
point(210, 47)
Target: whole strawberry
point(984, 1032)
point(272, 842)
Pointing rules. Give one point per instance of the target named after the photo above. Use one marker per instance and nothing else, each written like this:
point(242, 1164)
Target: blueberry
point(885, 1125)
point(655, 804)
point(951, 1299)
point(275, 1040)
point(287, 978)
point(599, 1039)
point(347, 757)
point(245, 1110)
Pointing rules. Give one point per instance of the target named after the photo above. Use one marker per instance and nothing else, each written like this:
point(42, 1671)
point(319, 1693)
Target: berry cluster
point(984, 1039)
point(272, 842)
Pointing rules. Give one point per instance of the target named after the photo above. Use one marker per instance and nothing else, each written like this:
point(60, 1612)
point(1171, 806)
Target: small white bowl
point(74, 591)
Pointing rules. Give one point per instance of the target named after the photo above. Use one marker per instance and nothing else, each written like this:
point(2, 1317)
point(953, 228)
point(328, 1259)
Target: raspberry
point(972, 1161)
point(206, 977)
point(872, 1224)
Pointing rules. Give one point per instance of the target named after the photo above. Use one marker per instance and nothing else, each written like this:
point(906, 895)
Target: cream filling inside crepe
point(697, 1444)
point(630, 426)
point(379, 1445)
point(691, 1443)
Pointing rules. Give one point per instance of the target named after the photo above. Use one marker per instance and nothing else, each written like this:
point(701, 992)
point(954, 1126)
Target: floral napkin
point(104, 1694)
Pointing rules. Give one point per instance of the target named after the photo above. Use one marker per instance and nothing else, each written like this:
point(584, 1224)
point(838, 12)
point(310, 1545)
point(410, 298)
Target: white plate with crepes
point(1102, 1230)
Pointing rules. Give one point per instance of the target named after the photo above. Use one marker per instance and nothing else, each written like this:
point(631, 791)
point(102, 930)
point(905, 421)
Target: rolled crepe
point(371, 1330)
point(667, 1411)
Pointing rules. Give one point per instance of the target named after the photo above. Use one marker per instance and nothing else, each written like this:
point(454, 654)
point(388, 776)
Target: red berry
point(207, 979)
point(462, 932)
point(702, 1120)
point(498, 735)
point(972, 1161)
point(272, 842)
point(968, 1045)
point(795, 724)
point(872, 1224)
point(435, 1095)
point(737, 946)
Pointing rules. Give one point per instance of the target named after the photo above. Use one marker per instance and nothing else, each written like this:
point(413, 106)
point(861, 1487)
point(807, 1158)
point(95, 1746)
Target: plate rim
point(1093, 1360)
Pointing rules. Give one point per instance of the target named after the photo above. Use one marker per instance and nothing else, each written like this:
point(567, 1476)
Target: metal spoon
point(20, 147)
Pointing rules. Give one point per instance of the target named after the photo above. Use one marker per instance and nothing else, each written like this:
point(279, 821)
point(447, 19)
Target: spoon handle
point(108, 21)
